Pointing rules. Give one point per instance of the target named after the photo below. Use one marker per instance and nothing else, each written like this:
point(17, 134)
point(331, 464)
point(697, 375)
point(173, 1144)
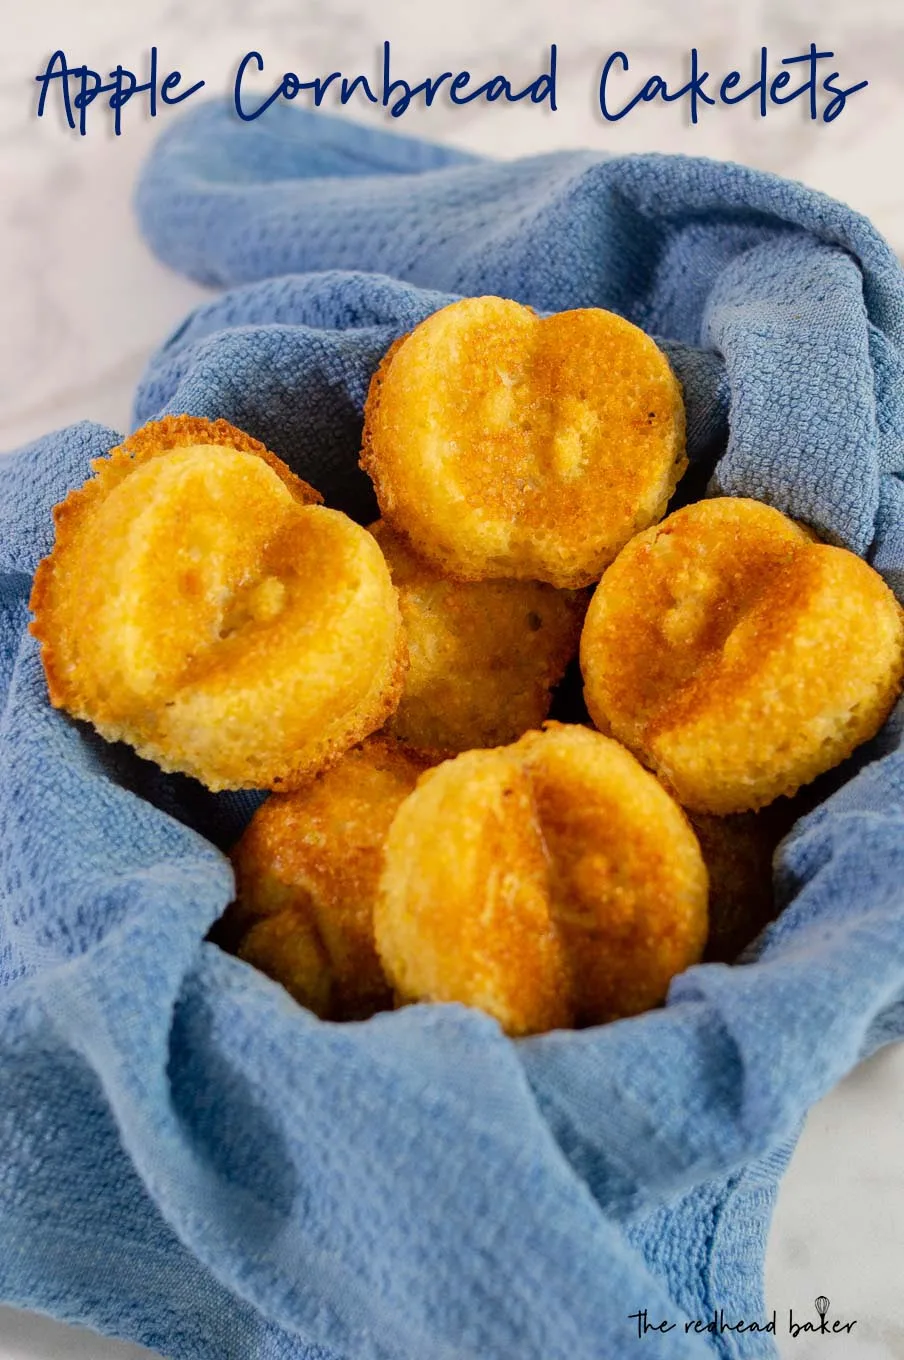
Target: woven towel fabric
point(189, 1159)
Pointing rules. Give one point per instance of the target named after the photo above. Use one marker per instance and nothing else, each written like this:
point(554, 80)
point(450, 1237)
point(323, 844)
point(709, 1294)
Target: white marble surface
point(84, 303)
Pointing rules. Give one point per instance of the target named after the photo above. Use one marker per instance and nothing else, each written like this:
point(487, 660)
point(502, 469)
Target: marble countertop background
point(84, 303)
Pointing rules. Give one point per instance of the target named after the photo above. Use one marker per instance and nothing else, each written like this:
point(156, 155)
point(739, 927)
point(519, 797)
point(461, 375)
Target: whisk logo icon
point(823, 1325)
point(718, 1323)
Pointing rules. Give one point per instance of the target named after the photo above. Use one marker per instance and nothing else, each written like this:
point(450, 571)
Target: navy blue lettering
point(246, 61)
point(812, 56)
point(694, 87)
point(836, 105)
point(172, 80)
point(62, 75)
point(731, 80)
point(604, 80)
point(350, 86)
point(759, 84)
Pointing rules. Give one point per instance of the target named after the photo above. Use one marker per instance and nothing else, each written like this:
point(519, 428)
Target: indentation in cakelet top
point(202, 606)
point(176, 552)
point(259, 602)
point(505, 445)
point(552, 882)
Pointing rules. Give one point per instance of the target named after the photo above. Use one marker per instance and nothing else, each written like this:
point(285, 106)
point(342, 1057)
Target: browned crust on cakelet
point(738, 657)
point(369, 461)
point(307, 869)
point(505, 446)
point(550, 883)
point(152, 440)
point(193, 605)
point(484, 656)
point(173, 432)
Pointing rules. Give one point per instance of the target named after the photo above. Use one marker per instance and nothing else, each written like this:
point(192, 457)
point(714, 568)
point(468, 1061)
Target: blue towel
point(188, 1158)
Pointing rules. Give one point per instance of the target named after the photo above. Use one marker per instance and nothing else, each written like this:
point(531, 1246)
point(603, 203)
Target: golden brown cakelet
point(552, 882)
point(483, 656)
point(306, 872)
point(506, 446)
point(200, 604)
point(738, 657)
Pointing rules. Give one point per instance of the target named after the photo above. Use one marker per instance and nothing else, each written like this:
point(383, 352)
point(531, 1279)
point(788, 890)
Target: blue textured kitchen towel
point(189, 1159)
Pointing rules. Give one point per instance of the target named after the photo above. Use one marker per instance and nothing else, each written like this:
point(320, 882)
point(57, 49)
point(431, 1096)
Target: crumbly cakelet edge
point(369, 460)
point(294, 776)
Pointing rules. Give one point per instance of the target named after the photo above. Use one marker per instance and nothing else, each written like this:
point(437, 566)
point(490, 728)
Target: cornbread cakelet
point(552, 882)
point(203, 606)
point(738, 657)
point(506, 446)
point(484, 656)
point(307, 869)
point(738, 852)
